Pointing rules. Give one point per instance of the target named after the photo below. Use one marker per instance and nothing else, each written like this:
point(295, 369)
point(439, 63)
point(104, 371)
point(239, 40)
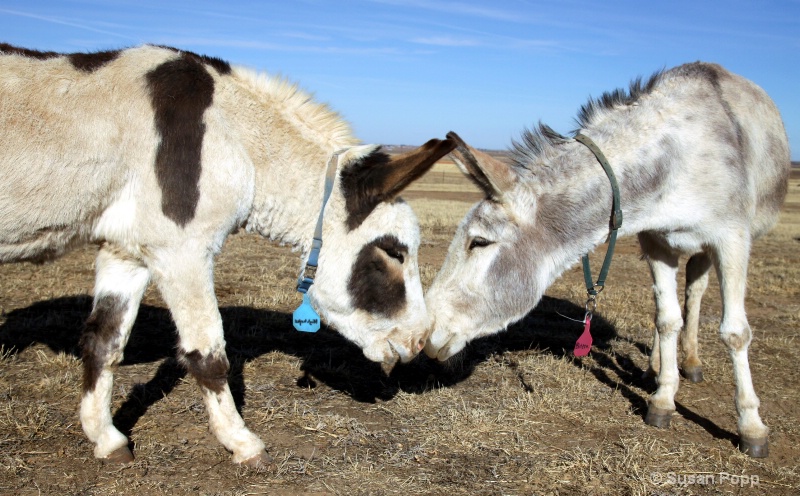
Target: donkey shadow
point(326, 356)
point(550, 327)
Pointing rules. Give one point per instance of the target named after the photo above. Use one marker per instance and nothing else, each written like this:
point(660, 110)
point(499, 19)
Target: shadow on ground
point(329, 358)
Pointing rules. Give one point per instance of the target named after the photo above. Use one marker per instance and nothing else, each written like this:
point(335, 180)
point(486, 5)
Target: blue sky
point(402, 72)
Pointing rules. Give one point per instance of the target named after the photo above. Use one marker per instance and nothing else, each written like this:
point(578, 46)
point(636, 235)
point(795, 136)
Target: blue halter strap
point(308, 274)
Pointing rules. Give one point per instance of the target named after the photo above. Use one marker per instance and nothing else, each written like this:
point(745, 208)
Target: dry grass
point(516, 415)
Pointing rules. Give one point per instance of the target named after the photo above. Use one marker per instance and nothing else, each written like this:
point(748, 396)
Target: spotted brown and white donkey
point(702, 161)
point(157, 155)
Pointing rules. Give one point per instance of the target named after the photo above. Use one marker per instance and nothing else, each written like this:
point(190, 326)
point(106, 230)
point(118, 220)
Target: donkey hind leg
point(731, 265)
point(654, 364)
point(664, 267)
point(120, 283)
point(186, 283)
point(697, 269)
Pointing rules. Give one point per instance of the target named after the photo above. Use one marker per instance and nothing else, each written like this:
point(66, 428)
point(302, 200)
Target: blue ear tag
point(305, 318)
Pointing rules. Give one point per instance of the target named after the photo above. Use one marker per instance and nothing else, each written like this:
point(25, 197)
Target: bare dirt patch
point(515, 414)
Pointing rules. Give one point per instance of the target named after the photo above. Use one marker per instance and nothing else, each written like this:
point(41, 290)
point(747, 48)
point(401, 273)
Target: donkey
point(702, 162)
point(157, 155)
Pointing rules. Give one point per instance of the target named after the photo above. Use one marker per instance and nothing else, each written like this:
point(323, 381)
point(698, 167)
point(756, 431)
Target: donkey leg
point(696, 283)
point(186, 283)
point(735, 332)
point(664, 267)
point(119, 285)
point(655, 357)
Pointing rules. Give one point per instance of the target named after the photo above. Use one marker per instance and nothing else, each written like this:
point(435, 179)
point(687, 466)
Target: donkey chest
point(683, 241)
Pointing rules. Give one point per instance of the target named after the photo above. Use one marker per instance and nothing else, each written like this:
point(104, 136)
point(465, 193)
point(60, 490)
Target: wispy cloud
point(461, 8)
point(305, 36)
point(64, 22)
point(279, 47)
point(447, 41)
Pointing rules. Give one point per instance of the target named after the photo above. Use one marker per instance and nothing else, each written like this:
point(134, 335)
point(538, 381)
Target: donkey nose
point(427, 335)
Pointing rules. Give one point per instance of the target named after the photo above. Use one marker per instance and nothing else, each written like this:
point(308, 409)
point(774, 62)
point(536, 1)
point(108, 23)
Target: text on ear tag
point(305, 318)
point(584, 343)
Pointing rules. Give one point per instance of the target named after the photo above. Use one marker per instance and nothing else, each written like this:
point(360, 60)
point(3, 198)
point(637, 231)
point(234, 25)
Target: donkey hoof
point(693, 374)
point(755, 447)
point(120, 456)
point(649, 373)
point(262, 462)
point(658, 417)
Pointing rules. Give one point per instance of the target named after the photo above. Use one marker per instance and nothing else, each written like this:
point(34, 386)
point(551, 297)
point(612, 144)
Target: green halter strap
point(594, 288)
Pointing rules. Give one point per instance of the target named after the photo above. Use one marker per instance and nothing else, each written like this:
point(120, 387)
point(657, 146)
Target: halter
point(594, 288)
point(305, 318)
point(309, 272)
point(584, 343)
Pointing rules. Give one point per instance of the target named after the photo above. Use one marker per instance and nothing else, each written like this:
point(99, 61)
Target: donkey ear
point(491, 175)
point(376, 177)
point(407, 168)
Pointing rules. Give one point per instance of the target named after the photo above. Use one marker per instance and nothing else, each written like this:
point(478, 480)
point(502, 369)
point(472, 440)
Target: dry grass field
point(517, 414)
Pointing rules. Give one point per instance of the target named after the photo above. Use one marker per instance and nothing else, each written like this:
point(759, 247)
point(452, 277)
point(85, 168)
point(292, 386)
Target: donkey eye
point(479, 242)
point(396, 255)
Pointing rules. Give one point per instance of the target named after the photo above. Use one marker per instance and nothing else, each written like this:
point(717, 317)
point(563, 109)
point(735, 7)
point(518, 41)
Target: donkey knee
point(210, 371)
point(737, 340)
point(669, 324)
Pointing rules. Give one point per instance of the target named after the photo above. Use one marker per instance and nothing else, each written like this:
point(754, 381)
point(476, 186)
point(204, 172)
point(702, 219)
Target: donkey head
point(367, 283)
point(486, 281)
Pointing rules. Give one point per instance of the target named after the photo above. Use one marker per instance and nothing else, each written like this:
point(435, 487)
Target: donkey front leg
point(119, 285)
point(186, 283)
point(735, 332)
point(664, 267)
point(697, 269)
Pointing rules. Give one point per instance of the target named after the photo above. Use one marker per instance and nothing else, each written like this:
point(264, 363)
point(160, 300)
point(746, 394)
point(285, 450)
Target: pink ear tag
point(584, 343)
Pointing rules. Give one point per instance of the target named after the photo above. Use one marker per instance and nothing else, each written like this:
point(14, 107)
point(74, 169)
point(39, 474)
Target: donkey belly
point(41, 246)
point(31, 234)
point(50, 207)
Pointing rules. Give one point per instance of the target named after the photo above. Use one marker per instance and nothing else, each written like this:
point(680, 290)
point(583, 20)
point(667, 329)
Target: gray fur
point(702, 161)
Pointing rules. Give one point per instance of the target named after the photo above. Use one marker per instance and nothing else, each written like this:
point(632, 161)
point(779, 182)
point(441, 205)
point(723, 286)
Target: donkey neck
point(287, 203)
point(574, 205)
point(288, 139)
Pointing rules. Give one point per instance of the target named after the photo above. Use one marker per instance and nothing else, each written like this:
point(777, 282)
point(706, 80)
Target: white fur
point(77, 153)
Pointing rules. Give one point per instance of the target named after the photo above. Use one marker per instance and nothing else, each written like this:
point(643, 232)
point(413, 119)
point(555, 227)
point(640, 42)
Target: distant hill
point(400, 149)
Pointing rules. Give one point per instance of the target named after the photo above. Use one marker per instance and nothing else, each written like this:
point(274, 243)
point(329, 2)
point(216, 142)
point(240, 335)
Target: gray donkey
point(702, 161)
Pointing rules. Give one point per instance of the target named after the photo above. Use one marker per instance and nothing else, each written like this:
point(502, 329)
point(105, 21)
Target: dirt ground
point(515, 414)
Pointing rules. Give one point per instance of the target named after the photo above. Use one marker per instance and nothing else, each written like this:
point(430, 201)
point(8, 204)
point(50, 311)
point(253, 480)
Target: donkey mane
point(610, 100)
point(311, 116)
point(540, 144)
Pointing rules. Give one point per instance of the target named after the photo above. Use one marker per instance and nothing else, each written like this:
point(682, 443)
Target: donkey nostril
point(421, 344)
